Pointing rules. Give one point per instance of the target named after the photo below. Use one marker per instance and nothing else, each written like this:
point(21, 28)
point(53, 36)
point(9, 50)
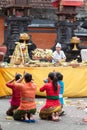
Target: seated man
point(58, 54)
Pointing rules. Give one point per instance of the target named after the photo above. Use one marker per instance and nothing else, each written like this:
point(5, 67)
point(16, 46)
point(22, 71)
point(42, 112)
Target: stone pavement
point(74, 109)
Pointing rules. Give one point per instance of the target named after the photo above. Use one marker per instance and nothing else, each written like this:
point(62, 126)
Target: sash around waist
point(53, 97)
point(28, 99)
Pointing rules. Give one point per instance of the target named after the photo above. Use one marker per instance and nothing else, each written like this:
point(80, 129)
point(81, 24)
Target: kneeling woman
point(52, 107)
point(27, 105)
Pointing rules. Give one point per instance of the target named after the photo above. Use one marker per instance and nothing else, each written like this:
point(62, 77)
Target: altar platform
point(75, 79)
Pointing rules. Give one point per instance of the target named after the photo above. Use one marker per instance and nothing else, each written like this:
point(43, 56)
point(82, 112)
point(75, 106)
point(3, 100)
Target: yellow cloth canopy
point(75, 79)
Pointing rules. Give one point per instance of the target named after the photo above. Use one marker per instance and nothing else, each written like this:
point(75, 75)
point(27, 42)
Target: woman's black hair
point(59, 76)
point(28, 77)
point(54, 80)
point(18, 76)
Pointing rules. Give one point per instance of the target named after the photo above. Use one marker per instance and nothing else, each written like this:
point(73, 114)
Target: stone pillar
point(17, 25)
point(1, 30)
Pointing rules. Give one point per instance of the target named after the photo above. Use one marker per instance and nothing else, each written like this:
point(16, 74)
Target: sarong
point(19, 114)
point(47, 112)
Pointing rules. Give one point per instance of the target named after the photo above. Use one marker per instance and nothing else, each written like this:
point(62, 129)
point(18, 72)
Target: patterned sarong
point(47, 112)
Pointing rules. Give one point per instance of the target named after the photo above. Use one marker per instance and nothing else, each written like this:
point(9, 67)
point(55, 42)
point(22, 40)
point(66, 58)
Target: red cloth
point(15, 100)
point(72, 2)
point(48, 87)
point(55, 3)
point(76, 3)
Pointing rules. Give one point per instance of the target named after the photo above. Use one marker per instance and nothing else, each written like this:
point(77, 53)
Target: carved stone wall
point(43, 14)
point(42, 9)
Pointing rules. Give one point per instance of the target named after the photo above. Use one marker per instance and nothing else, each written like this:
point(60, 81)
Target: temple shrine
point(67, 24)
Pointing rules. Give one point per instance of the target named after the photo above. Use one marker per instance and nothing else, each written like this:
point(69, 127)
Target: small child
point(15, 100)
point(61, 83)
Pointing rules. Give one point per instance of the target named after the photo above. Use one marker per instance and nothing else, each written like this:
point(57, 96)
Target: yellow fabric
point(75, 79)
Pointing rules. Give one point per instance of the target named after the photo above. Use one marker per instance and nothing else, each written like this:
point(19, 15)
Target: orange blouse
point(28, 91)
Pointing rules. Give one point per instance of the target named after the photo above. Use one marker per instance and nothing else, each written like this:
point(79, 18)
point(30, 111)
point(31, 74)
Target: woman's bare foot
point(26, 116)
point(31, 117)
point(55, 116)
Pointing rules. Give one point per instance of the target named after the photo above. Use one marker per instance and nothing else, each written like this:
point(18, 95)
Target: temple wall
point(1, 30)
point(43, 37)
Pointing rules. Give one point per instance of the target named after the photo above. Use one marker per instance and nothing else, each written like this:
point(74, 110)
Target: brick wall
point(43, 38)
point(83, 40)
point(1, 30)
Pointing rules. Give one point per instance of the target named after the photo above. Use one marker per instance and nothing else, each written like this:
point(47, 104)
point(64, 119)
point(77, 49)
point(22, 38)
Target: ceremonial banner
point(72, 2)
